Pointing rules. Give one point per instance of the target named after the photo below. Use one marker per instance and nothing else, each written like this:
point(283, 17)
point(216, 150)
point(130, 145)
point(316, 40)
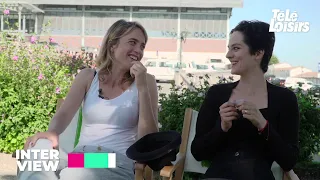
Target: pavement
point(8, 165)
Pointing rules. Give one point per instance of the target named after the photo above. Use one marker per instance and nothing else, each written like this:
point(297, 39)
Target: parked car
point(316, 90)
point(205, 68)
point(163, 70)
point(270, 77)
point(282, 82)
point(219, 64)
point(277, 81)
point(298, 82)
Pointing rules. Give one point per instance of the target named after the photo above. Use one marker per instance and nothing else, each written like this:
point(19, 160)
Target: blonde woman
point(120, 105)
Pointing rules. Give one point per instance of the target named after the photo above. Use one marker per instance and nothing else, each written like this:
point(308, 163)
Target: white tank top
point(110, 123)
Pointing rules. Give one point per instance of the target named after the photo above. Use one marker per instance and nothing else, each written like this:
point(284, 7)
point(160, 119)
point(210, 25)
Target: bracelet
point(261, 130)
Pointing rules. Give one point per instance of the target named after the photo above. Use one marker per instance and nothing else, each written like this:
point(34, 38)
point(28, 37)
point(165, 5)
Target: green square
point(96, 160)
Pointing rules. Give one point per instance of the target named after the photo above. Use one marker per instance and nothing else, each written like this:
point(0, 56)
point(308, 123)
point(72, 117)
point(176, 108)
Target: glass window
point(203, 10)
point(106, 8)
point(64, 23)
point(151, 64)
point(193, 65)
point(179, 65)
point(61, 7)
point(215, 60)
point(30, 23)
point(206, 26)
point(13, 22)
point(158, 24)
point(202, 66)
point(97, 23)
point(165, 64)
point(155, 9)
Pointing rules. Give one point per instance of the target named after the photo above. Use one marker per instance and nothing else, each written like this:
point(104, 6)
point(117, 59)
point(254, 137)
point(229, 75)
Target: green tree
point(274, 60)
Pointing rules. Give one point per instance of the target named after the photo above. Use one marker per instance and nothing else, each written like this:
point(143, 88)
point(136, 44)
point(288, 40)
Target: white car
point(186, 66)
point(294, 83)
point(204, 68)
point(162, 70)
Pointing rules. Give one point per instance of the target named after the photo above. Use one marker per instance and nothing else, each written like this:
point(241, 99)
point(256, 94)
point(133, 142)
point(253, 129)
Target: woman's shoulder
point(86, 75)
point(281, 92)
point(87, 71)
point(220, 91)
point(221, 87)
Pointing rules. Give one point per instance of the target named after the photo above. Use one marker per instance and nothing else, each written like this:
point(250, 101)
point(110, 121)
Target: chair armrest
point(143, 172)
point(139, 171)
point(290, 175)
point(167, 171)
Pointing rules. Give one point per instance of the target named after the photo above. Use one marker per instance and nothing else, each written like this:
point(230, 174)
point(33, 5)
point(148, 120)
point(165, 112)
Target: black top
point(242, 153)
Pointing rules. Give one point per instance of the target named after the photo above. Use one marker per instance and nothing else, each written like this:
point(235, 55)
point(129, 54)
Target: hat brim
point(154, 146)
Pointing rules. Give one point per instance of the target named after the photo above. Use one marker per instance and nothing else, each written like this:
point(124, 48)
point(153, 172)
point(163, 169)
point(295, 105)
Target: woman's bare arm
point(148, 108)
point(71, 104)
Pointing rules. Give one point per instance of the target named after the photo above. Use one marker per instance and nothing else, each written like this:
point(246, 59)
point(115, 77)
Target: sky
point(297, 49)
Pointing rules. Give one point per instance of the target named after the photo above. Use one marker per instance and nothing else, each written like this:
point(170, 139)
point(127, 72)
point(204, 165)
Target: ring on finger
point(245, 111)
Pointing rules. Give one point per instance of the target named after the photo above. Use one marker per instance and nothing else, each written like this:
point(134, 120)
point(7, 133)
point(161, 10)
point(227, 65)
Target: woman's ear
point(259, 54)
point(113, 47)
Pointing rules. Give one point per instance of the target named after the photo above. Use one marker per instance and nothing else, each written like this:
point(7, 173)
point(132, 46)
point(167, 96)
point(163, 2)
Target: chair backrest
point(191, 164)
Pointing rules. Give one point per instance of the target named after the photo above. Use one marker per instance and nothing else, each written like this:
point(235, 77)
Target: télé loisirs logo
point(287, 21)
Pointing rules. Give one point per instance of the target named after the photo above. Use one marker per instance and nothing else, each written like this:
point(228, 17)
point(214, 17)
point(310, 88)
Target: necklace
point(101, 96)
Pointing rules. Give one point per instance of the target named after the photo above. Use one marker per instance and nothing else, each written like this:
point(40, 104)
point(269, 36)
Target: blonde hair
point(105, 57)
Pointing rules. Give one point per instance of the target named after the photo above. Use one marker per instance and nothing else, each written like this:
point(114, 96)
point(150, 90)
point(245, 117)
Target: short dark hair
point(257, 37)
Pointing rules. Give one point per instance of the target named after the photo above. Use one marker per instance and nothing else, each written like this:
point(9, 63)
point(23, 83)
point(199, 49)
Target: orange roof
point(285, 68)
point(308, 75)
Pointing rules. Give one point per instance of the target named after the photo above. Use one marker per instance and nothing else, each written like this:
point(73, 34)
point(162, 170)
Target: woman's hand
point(250, 112)
point(50, 135)
point(228, 113)
point(139, 72)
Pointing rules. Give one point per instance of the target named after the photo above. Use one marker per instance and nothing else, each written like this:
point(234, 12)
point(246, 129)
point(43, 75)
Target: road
point(7, 167)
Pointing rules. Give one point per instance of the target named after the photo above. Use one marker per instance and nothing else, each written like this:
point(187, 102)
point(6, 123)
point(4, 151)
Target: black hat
point(156, 149)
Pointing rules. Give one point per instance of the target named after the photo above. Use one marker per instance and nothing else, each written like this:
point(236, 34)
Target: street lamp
point(182, 38)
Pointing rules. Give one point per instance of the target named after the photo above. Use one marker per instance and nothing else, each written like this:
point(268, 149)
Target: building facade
point(285, 70)
point(203, 24)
